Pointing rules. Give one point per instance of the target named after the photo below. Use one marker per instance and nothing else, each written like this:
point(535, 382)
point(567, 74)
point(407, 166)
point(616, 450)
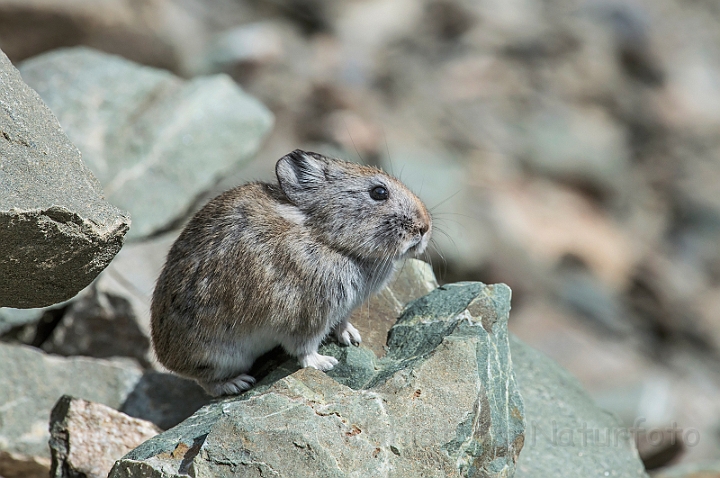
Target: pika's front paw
point(320, 362)
point(346, 334)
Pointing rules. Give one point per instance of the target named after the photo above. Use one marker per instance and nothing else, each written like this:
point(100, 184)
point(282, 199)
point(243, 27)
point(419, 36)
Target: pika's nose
point(423, 228)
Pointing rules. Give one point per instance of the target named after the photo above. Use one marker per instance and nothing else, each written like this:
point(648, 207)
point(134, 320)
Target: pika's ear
point(299, 172)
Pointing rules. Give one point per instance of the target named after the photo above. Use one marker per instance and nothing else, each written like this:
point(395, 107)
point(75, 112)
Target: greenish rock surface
point(566, 434)
point(374, 319)
point(154, 140)
point(446, 380)
point(442, 402)
point(56, 230)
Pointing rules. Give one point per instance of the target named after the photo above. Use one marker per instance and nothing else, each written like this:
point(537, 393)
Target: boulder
point(443, 398)
point(86, 438)
point(31, 383)
point(56, 230)
point(111, 318)
point(154, 140)
point(567, 435)
point(393, 412)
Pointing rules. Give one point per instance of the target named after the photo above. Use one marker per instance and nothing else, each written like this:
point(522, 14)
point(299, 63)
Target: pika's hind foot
point(233, 386)
point(320, 362)
point(346, 334)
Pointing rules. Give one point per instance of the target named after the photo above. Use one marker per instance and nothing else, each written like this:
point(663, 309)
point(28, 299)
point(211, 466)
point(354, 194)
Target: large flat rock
point(392, 416)
point(154, 140)
point(442, 402)
point(56, 230)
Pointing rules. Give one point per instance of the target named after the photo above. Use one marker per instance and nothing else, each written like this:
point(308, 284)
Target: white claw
point(320, 362)
point(347, 334)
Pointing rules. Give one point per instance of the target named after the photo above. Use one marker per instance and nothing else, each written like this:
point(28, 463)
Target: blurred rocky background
point(567, 148)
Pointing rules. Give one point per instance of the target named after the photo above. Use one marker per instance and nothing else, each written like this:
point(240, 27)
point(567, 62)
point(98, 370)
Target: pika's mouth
point(416, 246)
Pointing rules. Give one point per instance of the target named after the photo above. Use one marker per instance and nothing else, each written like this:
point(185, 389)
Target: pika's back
point(220, 260)
point(233, 213)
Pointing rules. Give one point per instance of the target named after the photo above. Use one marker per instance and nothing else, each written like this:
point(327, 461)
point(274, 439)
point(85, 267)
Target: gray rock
point(413, 280)
point(110, 318)
point(35, 333)
point(56, 231)
point(99, 325)
point(155, 141)
point(250, 45)
point(558, 412)
point(31, 383)
point(443, 399)
point(567, 435)
point(86, 438)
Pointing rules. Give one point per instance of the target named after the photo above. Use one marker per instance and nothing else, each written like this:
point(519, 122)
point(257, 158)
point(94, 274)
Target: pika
point(268, 264)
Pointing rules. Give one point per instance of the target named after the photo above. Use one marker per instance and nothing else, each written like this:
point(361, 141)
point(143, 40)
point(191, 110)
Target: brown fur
point(280, 264)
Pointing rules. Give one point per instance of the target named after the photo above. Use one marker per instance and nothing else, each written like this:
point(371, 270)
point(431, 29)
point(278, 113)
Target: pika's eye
point(379, 193)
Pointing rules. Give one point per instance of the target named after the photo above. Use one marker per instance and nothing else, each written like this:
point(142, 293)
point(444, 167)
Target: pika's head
point(359, 210)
